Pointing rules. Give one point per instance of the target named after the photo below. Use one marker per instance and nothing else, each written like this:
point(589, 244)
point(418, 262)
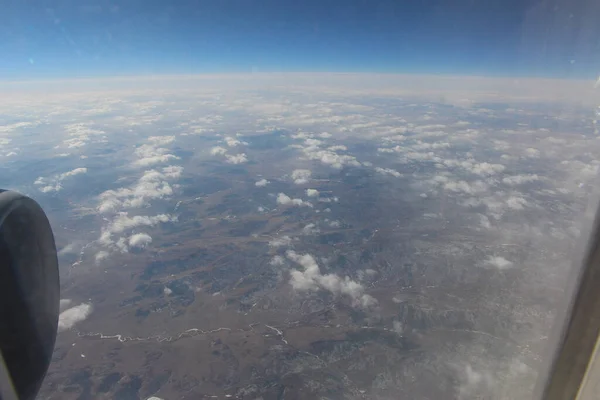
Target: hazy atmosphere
point(322, 200)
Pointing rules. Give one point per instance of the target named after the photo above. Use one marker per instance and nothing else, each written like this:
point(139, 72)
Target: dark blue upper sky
point(40, 39)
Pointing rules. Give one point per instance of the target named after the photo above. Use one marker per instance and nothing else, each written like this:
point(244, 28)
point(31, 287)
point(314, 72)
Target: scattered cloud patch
point(154, 184)
point(281, 241)
point(312, 192)
point(236, 159)
point(54, 184)
point(152, 153)
point(218, 150)
point(140, 240)
point(311, 279)
point(301, 176)
point(284, 199)
point(520, 179)
point(310, 229)
point(68, 318)
point(499, 262)
point(261, 183)
point(388, 171)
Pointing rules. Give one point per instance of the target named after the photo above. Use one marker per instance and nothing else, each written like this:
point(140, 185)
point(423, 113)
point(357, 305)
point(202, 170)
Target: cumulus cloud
point(123, 222)
point(79, 135)
point(398, 327)
point(218, 150)
point(236, 159)
point(284, 199)
point(281, 241)
point(313, 151)
point(310, 279)
point(312, 192)
point(261, 183)
point(520, 179)
point(140, 240)
point(310, 229)
point(161, 140)
point(232, 142)
point(277, 261)
point(301, 176)
point(76, 171)
point(470, 165)
point(152, 153)
point(68, 318)
point(388, 171)
point(499, 262)
point(154, 184)
point(101, 256)
point(54, 184)
point(516, 202)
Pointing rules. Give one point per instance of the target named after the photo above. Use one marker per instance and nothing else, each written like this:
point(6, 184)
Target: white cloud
point(231, 142)
point(124, 222)
point(312, 192)
point(152, 185)
point(140, 240)
point(388, 171)
point(531, 152)
point(54, 184)
point(284, 199)
point(499, 262)
point(68, 318)
point(313, 151)
point(236, 159)
point(325, 135)
point(76, 171)
point(161, 140)
point(398, 327)
point(64, 304)
point(484, 221)
point(51, 188)
point(516, 202)
point(155, 159)
point(152, 154)
point(277, 261)
point(79, 135)
point(281, 241)
point(520, 179)
point(339, 147)
point(101, 256)
point(475, 381)
point(310, 229)
point(167, 291)
point(261, 183)
point(310, 278)
point(301, 176)
point(218, 150)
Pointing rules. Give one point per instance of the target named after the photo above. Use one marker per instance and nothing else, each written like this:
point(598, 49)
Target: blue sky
point(40, 39)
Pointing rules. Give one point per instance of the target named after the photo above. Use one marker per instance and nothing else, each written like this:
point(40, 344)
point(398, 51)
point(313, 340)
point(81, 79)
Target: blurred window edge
point(573, 368)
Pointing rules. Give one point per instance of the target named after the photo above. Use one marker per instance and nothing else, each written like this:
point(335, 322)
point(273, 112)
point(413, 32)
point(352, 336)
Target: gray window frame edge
point(573, 344)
